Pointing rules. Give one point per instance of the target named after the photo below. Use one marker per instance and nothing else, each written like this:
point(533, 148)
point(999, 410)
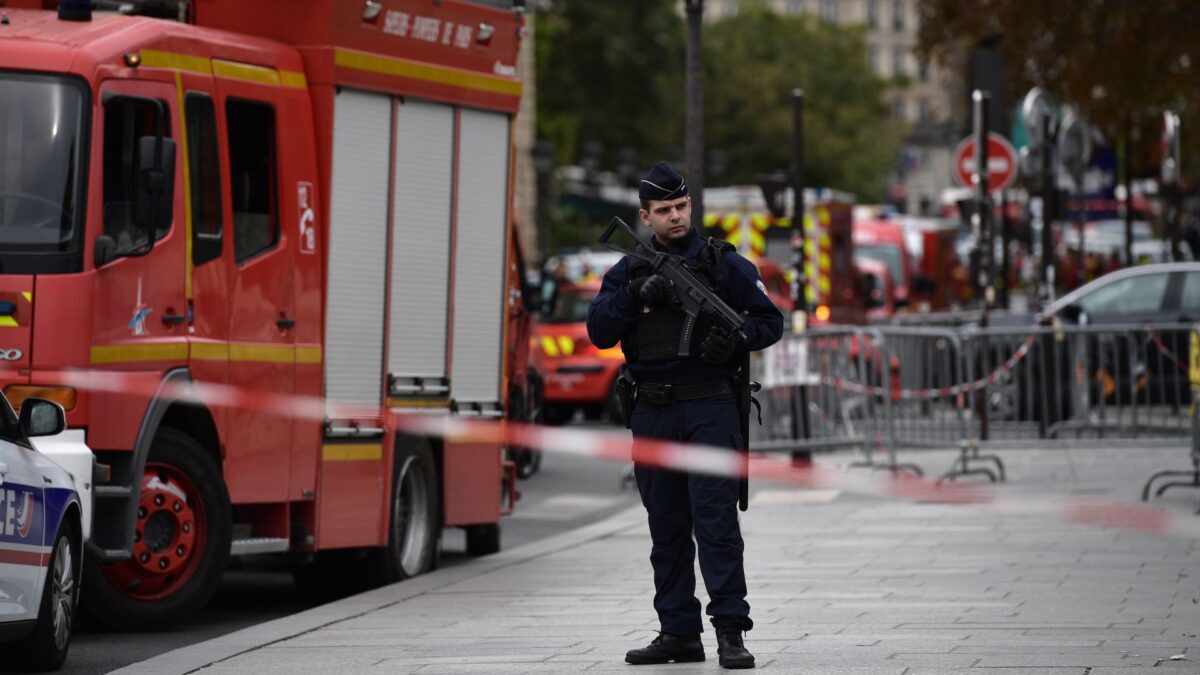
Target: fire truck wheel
point(483, 539)
point(415, 522)
point(181, 542)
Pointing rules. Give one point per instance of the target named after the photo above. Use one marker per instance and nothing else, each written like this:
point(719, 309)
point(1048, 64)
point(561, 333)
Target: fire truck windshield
point(42, 145)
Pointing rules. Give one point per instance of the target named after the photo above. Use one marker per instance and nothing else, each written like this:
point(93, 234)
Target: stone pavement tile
point(999, 671)
point(492, 668)
point(1049, 660)
point(1166, 668)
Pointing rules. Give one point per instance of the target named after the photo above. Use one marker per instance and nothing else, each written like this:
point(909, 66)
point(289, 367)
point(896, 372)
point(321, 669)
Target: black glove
point(653, 291)
point(718, 345)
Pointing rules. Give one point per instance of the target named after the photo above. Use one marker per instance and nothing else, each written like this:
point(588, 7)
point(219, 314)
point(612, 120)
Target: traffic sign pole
point(979, 225)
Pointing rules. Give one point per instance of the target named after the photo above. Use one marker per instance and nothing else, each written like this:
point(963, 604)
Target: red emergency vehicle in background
point(303, 200)
point(578, 375)
point(883, 240)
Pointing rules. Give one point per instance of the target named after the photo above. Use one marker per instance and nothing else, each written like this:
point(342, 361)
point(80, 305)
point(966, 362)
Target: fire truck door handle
point(172, 319)
point(285, 322)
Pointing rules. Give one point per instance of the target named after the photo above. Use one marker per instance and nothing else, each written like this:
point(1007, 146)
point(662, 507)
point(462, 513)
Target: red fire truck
point(303, 201)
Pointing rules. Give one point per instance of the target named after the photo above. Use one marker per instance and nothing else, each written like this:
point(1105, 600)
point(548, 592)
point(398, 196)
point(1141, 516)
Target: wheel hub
point(168, 535)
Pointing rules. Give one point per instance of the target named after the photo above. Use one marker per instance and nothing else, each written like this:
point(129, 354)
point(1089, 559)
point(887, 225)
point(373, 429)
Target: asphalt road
point(567, 492)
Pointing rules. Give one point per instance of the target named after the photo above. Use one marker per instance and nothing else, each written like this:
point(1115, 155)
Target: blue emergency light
point(75, 10)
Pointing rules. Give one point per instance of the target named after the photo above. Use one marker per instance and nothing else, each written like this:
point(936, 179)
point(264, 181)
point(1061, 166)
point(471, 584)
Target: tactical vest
point(656, 336)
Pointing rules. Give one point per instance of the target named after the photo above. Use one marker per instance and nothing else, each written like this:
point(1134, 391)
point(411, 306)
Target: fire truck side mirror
point(153, 200)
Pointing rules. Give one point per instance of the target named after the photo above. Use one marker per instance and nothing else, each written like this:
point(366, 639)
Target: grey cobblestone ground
point(839, 584)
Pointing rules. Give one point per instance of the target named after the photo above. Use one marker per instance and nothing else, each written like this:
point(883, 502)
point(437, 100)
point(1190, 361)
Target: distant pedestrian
point(690, 400)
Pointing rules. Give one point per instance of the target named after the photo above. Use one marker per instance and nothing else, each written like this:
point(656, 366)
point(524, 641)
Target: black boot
point(731, 650)
point(667, 648)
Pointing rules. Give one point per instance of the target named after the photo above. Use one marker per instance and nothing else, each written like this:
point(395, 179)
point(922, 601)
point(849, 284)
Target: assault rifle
point(694, 297)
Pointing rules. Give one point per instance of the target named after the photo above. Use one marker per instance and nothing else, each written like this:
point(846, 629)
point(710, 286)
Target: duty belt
point(665, 394)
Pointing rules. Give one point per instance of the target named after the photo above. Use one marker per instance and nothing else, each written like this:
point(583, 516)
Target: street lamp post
point(800, 458)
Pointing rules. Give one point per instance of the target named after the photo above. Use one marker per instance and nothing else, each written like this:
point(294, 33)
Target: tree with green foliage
point(610, 72)
point(753, 62)
point(1121, 62)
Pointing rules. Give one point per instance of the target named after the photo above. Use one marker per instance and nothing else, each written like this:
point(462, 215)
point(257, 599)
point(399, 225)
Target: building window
point(898, 15)
point(253, 174)
point(873, 60)
point(898, 109)
point(898, 54)
point(923, 70)
point(795, 6)
point(873, 13)
point(923, 109)
point(829, 10)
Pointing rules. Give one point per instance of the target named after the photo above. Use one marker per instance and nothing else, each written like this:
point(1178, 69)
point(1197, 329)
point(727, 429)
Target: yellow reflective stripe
point(262, 353)
point(205, 351)
point(549, 346)
point(210, 351)
point(187, 190)
point(152, 58)
point(149, 351)
point(710, 220)
point(28, 295)
point(308, 355)
point(232, 70)
point(8, 322)
point(413, 70)
point(351, 452)
point(293, 79)
point(418, 403)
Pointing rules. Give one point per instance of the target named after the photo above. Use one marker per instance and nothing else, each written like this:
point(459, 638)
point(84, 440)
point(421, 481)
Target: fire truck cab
point(299, 205)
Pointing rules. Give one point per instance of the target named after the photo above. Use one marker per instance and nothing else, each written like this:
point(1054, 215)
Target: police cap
point(662, 183)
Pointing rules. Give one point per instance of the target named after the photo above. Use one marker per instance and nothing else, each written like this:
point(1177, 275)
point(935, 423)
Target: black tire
point(414, 522)
point(555, 415)
point(483, 539)
point(330, 575)
point(46, 648)
point(122, 610)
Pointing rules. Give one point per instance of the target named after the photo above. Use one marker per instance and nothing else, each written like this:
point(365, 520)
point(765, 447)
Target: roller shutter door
point(480, 251)
point(358, 214)
point(423, 186)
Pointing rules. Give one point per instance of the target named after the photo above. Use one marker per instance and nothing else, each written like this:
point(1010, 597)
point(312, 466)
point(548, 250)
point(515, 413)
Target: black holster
point(625, 395)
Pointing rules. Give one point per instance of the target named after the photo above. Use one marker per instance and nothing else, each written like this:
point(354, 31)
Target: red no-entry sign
point(1002, 162)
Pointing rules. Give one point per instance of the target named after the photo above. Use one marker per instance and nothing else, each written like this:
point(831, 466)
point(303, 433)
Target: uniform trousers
point(679, 504)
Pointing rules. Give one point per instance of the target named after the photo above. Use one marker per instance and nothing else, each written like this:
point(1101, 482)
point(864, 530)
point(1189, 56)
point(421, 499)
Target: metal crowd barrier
point(881, 388)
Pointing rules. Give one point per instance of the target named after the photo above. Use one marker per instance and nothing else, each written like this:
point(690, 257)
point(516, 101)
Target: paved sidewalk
point(839, 583)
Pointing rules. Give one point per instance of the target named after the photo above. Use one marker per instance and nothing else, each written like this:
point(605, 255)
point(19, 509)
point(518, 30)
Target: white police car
point(42, 521)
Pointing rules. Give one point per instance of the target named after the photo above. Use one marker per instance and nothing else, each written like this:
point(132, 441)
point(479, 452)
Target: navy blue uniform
point(679, 504)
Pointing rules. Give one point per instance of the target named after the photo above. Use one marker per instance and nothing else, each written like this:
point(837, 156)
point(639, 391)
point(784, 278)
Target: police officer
point(690, 400)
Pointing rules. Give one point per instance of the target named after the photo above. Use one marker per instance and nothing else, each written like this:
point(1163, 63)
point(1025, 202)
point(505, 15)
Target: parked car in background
point(1136, 349)
point(42, 532)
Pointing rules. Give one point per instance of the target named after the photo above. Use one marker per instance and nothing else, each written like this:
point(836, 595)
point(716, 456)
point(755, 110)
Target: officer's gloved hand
point(718, 345)
point(653, 291)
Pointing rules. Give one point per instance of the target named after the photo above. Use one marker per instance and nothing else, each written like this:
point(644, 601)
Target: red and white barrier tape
point(616, 446)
